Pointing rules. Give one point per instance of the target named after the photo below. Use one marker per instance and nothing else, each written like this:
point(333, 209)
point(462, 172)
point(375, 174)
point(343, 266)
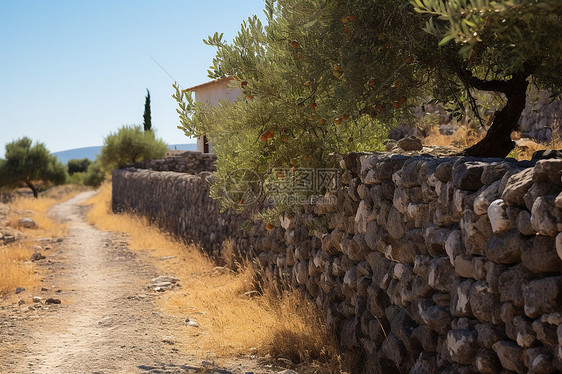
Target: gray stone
point(462, 345)
point(539, 361)
point(510, 355)
point(511, 284)
point(559, 245)
point(463, 266)
point(487, 362)
point(467, 175)
point(460, 300)
point(479, 267)
point(506, 249)
point(20, 290)
point(36, 256)
point(525, 334)
point(484, 303)
point(542, 296)
point(548, 171)
point(541, 257)
point(426, 337)
point(441, 274)
point(435, 317)
point(546, 333)
point(411, 143)
point(537, 190)
point(164, 278)
point(435, 238)
point(493, 273)
point(394, 225)
point(454, 245)
point(52, 300)
point(498, 217)
point(495, 171)
point(523, 223)
point(485, 198)
point(27, 223)
point(545, 217)
point(444, 172)
point(517, 186)
point(489, 334)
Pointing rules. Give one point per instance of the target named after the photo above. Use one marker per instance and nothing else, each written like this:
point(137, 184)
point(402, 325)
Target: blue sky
point(71, 72)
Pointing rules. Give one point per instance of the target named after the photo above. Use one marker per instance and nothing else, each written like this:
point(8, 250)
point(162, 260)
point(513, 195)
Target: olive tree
point(28, 164)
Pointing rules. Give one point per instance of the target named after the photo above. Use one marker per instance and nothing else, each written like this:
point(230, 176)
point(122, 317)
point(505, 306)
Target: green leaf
point(445, 40)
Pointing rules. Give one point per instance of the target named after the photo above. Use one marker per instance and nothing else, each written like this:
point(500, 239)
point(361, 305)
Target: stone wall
point(181, 162)
point(424, 265)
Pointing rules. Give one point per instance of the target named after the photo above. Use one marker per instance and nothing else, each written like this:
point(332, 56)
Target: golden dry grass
point(15, 268)
point(465, 137)
point(234, 318)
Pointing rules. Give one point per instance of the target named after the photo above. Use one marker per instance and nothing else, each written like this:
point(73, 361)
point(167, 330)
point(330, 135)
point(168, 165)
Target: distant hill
point(91, 152)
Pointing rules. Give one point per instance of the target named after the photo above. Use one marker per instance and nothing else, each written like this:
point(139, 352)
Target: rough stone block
point(463, 266)
point(510, 355)
point(499, 219)
point(441, 274)
point(546, 219)
point(460, 300)
point(485, 197)
point(523, 223)
point(517, 186)
point(506, 249)
point(511, 283)
point(541, 257)
point(484, 303)
point(543, 296)
point(462, 345)
point(467, 175)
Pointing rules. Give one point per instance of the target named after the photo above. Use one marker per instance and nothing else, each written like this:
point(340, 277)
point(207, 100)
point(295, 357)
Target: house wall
point(423, 265)
point(212, 93)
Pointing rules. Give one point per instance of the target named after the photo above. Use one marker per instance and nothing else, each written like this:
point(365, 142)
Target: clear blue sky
point(73, 71)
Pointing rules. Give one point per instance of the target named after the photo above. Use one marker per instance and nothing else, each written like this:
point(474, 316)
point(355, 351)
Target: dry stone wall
point(425, 265)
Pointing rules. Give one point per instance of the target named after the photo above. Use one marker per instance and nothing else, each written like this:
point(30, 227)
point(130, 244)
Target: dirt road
point(107, 321)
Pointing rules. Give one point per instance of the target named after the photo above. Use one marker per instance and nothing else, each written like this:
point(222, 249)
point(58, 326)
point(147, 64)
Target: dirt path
point(106, 322)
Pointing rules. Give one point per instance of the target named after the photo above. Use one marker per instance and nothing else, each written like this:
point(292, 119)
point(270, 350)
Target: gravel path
point(107, 321)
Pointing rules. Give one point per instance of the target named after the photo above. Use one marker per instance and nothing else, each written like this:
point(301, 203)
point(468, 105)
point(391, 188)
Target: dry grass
point(15, 268)
point(465, 137)
point(234, 318)
point(37, 209)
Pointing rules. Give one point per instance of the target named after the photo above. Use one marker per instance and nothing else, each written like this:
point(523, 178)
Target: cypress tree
point(147, 120)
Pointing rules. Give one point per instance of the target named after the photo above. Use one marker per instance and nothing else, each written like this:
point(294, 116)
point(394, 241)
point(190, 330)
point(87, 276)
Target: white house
point(211, 93)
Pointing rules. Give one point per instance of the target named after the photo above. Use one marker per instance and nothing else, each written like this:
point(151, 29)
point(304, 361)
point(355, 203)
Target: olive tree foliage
point(128, 145)
point(27, 164)
point(503, 46)
point(78, 165)
point(324, 77)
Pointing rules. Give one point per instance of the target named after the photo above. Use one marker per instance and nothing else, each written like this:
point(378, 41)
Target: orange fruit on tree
point(322, 121)
point(346, 30)
point(307, 157)
point(337, 121)
point(344, 19)
point(270, 134)
point(409, 59)
point(294, 44)
point(379, 107)
point(351, 18)
point(243, 84)
point(241, 201)
point(269, 226)
point(396, 105)
point(294, 169)
point(249, 97)
point(372, 82)
point(402, 100)
point(350, 139)
point(345, 117)
point(312, 105)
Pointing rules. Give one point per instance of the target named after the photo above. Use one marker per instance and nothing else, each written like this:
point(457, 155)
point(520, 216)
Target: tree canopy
point(326, 77)
point(78, 165)
point(128, 145)
point(26, 164)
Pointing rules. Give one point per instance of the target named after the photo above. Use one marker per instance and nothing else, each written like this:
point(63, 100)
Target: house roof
point(195, 88)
